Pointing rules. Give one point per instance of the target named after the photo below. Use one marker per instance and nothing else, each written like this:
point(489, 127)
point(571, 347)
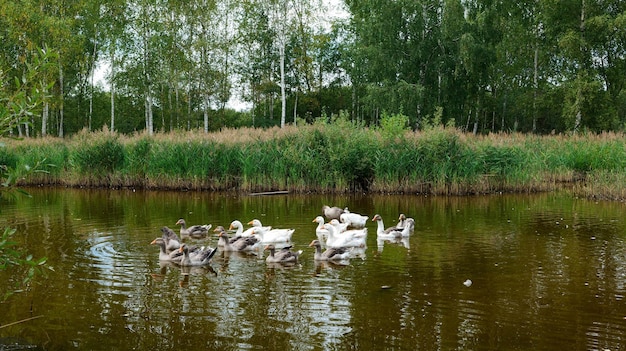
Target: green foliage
point(7, 159)
point(16, 106)
point(502, 161)
point(584, 157)
point(13, 257)
point(393, 126)
point(334, 155)
point(98, 157)
point(19, 103)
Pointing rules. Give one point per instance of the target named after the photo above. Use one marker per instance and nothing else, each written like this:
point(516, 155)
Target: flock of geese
point(343, 237)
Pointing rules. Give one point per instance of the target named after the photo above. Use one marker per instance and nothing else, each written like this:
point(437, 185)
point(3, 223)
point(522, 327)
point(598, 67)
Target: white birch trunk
point(44, 117)
point(205, 113)
point(283, 97)
point(113, 87)
point(61, 109)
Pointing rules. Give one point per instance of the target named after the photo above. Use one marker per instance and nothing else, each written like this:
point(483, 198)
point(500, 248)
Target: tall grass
point(336, 156)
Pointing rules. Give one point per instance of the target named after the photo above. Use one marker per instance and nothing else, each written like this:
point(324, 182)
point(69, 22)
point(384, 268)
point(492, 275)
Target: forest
point(481, 66)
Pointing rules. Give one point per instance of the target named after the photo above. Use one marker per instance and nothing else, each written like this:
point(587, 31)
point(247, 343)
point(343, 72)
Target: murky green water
point(548, 272)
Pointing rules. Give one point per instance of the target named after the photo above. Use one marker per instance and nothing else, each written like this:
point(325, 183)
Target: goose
point(331, 254)
point(237, 226)
point(351, 238)
point(341, 227)
point(239, 244)
point(164, 256)
point(220, 229)
point(172, 242)
point(393, 232)
point(201, 257)
point(320, 231)
point(401, 220)
point(256, 226)
point(409, 226)
point(399, 226)
point(284, 255)
point(195, 231)
point(274, 235)
point(331, 212)
point(355, 220)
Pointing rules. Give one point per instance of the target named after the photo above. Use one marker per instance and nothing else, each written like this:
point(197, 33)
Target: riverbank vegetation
point(331, 155)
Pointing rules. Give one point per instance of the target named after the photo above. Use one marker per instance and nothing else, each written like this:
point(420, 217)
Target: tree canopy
point(484, 66)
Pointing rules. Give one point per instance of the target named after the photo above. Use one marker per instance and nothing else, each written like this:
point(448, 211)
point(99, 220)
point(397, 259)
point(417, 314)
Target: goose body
point(331, 212)
point(330, 254)
point(284, 255)
point(401, 220)
point(350, 238)
point(340, 226)
point(234, 225)
point(164, 256)
point(355, 220)
point(240, 244)
point(320, 231)
point(257, 226)
point(220, 243)
point(194, 231)
point(401, 223)
point(200, 257)
point(172, 242)
point(393, 232)
point(274, 235)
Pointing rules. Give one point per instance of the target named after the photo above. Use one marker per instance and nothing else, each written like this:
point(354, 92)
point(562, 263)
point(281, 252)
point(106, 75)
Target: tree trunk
point(62, 97)
point(206, 113)
point(93, 69)
point(295, 109)
point(535, 87)
point(44, 118)
point(149, 116)
point(113, 86)
point(283, 98)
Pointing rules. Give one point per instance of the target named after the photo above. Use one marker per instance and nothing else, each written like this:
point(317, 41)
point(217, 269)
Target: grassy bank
point(338, 157)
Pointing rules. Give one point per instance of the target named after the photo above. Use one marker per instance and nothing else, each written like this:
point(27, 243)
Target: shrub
point(100, 158)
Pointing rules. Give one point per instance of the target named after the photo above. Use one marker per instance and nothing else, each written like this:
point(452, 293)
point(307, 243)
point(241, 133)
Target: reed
point(336, 156)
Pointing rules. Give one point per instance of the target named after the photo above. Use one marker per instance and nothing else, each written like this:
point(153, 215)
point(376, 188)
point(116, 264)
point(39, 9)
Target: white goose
point(238, 226)
point(273, 235)
point(350, 238)
point(355, 220)
point(256, 226)
point(320, 231)
point(341, 227)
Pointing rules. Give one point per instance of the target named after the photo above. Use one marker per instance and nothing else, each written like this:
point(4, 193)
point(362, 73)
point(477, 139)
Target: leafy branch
point(16, 106)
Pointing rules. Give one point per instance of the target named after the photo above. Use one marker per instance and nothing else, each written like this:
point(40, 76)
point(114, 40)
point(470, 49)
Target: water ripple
point(111, 265)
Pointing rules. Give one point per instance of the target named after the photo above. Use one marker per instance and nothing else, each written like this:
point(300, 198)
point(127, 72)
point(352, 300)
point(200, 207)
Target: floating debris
point(467, 283)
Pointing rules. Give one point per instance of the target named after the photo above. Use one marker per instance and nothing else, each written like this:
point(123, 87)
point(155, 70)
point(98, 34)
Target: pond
point(514, 272)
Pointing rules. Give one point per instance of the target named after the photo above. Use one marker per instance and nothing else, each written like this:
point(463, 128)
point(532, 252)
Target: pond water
point(547, 272)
